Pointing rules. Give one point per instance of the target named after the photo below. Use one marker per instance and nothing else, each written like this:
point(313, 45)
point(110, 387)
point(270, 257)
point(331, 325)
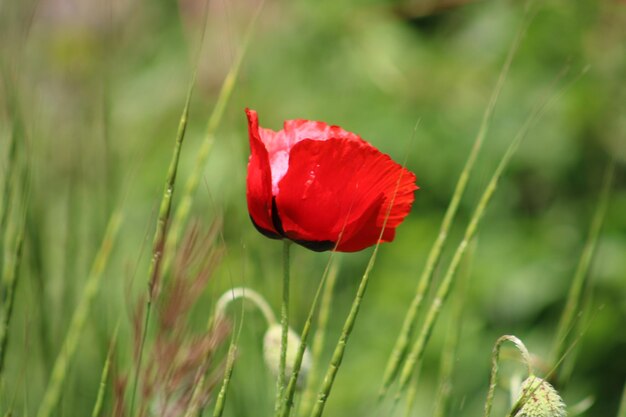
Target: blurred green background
point(101, 85)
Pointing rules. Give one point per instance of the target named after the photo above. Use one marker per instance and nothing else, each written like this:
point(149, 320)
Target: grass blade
point(287, 403)
point(574, 297)
point(417, 350)
point(10, 273)
point(97, 408)
point(318, 340)
point(79, 318)
point(402, 342)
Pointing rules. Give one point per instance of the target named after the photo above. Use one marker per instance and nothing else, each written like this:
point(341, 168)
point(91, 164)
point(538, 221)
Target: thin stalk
point(495, 357)
point(160, 234)
point(570, 312)
point(287, 404)
point(417, 350)
point(79, 318)
point(318, 340)
point(97, 407)
point(451, 346)
point(220, 401)
point(348, 325)
point(402, 342)
point(10, 174)
point(182, 211)
point(10, 277)
point(284, 323)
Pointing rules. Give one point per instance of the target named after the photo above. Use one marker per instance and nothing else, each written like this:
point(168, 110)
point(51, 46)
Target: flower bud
point(539, 399)
point(271, 353)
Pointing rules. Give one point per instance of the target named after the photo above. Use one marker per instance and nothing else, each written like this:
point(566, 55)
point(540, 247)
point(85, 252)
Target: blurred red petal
point(259, 181)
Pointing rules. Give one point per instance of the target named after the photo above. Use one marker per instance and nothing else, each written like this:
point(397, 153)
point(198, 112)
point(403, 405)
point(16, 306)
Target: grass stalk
point(340, 347)
point(287, 403)
point(442, 401)
point(417, 350)
point(495, 357)
point(402, 342)
point(184, 207)
point(317, 346)
point(574, 297)
point(104, 376)
point(10, 277)
point(79, 318)
point(220, 401)
point(160, 234)
point(284, 323)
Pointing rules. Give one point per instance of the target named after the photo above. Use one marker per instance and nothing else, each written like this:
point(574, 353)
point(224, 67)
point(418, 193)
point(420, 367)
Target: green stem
point(318, 340)
point(570, 312)
point(97, 408)
point(284, 322)
point(287, 404)
point(495, 357)
point(402, 342)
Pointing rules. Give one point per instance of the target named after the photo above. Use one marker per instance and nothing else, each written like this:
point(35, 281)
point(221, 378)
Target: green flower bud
point(271, 353)
point(539, 399)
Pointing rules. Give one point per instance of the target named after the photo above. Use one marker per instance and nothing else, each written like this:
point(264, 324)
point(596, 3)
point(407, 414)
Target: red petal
point(337, 185)
point(259, 181)
point(279, 144)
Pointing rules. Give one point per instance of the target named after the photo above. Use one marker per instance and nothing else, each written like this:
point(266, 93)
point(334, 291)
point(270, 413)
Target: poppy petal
point(259, 181)
point(337, 185)
point(279, 144)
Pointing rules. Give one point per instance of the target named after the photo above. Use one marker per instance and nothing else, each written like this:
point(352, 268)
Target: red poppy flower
point(321, 186)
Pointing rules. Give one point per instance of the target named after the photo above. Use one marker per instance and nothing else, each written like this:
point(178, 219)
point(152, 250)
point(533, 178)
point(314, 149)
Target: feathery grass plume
point(317, 346)
point(417, 350)
point(538, 399)
point(340, 347)
point(401, 345)
point(79, 318)
point(182, 211)
point(177, 358)
point(574, 297)
point(104, 376)
point(495, 358)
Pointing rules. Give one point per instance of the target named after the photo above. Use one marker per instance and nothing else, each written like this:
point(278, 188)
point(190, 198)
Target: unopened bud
point(539, 399)
point(271, 352)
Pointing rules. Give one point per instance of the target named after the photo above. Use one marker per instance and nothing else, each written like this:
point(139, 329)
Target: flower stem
point(284, 322)
point(495, 356)
point(318, 341)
